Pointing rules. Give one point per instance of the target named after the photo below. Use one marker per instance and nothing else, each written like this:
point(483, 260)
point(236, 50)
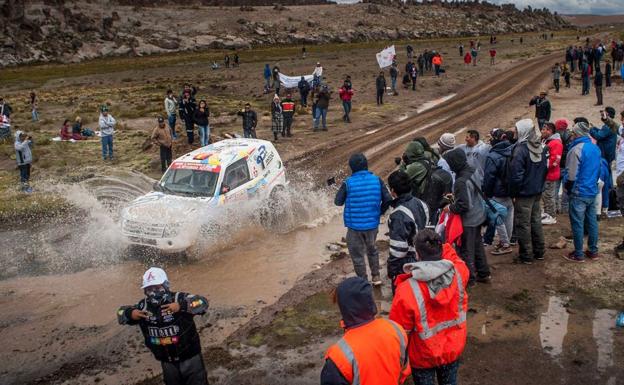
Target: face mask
point(158, 296)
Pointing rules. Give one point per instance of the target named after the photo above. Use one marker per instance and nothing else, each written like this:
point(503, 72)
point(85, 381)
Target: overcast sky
point(597, 7)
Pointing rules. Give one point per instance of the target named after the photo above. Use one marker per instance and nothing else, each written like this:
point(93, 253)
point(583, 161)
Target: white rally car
point(196, 187)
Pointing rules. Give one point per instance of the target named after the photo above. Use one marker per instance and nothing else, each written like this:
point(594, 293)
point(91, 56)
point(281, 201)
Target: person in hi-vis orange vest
point(373, 351)
point(430, 303)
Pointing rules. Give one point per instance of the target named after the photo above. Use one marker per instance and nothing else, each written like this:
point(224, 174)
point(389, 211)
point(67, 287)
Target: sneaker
point(544, 215)
point(548, 220)
point(538, 257)
point(591, 256)
point(376, 281)
point(500, 250)
point(522, 261)
point(573, 258)
point(486, 279)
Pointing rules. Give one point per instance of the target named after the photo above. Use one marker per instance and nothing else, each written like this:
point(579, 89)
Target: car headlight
point(172, 230)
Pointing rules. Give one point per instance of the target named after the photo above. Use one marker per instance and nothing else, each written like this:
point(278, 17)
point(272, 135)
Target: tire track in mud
point(470, 104)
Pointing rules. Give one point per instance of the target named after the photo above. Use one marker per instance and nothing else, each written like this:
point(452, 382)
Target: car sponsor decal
point(196, 166)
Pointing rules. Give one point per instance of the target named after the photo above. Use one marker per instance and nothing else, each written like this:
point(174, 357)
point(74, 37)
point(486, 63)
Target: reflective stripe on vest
point(350, 356)
point(430, 332)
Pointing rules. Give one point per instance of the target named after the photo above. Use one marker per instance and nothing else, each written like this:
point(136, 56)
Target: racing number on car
point(261, 155)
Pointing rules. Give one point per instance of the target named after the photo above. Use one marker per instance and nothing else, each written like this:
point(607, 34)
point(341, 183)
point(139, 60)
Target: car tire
point(276, 215)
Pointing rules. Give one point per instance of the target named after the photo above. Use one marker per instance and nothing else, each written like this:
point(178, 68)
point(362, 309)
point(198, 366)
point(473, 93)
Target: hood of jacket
point(456, 159)
point(503, 148)
point(358, 162)
point(356, 303)
point(414, 151)
point(554, 136)
point(437, 275)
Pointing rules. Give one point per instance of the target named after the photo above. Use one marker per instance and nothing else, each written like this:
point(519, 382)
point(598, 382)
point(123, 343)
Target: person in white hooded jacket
point(107, 128)
point(23, 156)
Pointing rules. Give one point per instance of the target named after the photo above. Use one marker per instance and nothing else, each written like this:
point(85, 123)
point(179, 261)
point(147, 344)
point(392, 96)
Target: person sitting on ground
point(431, 301)
point(66, 130)
point(409, 215)
point(77, 129)
point(165, 318)
point(372, 351)
point(365, 198)
point(467, 202)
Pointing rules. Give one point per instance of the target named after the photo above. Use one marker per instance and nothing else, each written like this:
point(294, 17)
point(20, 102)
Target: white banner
point(385, 57)
point(293, 81)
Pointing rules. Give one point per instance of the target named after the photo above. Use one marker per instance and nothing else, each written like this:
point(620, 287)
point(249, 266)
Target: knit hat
point(581, 129)
point(561, 125)
point(446, 141)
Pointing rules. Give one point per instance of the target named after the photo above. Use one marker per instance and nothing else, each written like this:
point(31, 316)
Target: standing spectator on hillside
point(469, 205)
point(303, 52)
point(322, 105)
point(606, 136)
point(410, 52)
point(407, 218)
point(553, 142)
point(276, 80)
point(413, 73)
point(226, 61)
point(346, 94)
point(461, 49)
point(162, 137)
point(33, 107)
point(394, 74)
point(437, 63)
point(566, 75)
point(236, 60)
point(107, 128)
point(585, 77)
point(380, 85)
point(171, 105)
point(288, 112)
point(200, 117)
point(304, 90)
point(23, 156)
point(619, 167)
point(421, 60)
point(267, 77)
point(277, 117)
point(250, 120)
point(5, 108)
point(186, 109)
point(527, 174)
point(542, 108)
point(556, 74)
point(495, 186)
point(317, 75)
point(598, 85)
point(492, 56)
point(581, 184)
point(365, 198)
point(348, 82)
point(473, 54)
point(608, 74)
point(467, 59)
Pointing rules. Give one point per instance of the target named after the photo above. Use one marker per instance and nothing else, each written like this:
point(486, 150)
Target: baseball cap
point(154, 276)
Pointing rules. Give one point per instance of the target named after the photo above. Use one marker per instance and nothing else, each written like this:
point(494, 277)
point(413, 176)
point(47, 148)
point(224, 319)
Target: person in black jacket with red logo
point(166, 321)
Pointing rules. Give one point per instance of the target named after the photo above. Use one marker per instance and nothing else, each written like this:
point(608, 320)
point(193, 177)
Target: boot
point(275, 135)
point(288, 134)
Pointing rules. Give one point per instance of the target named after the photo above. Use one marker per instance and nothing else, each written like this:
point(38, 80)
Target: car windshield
point(183, 181)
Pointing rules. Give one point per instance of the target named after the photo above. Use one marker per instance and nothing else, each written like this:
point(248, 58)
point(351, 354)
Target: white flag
point(385, 57)
point(293, 81)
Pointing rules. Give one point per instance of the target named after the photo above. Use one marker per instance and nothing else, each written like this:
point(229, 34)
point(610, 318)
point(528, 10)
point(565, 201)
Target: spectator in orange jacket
point(437, 63)
point(431, 301)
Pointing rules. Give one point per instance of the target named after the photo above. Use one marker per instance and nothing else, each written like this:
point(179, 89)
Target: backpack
point(494, 211)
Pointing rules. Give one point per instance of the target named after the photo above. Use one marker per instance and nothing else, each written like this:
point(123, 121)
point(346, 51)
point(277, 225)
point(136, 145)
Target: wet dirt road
point(65, 322)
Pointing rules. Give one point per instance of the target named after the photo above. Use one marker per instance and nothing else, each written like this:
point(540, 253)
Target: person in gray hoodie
point(468, 203)
point(107, 127)
point(23, 156)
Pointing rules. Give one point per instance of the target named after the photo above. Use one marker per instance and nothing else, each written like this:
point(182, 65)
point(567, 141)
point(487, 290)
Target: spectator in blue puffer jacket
point(581, 183)
point(606, 136)
point(365, 198)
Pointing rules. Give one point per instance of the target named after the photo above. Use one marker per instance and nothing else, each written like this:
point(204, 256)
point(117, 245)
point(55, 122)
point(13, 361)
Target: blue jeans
point(447, 375)
point(172, 121)
point(346, 106)
point(320, 113)
point(583, 213)
point(204, 135)
point(35, 115)
point(107, 145)
point(393, 81)
point(585, 84)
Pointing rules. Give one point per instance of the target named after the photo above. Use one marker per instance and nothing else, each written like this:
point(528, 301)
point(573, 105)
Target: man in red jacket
point(552, 140)
point(430, 303)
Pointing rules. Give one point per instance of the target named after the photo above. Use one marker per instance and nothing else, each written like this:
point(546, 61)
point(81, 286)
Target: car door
point(235, 181)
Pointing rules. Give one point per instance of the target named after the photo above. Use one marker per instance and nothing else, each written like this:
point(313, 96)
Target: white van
point(196, 184)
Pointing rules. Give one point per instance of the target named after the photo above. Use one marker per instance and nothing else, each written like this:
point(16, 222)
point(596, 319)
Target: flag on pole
point(385, 57)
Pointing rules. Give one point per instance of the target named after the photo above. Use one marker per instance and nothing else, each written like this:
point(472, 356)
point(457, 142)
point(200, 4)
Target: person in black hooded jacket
point(468, 203)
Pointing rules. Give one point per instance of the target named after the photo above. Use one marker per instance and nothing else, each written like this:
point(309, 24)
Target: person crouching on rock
point(166, 321)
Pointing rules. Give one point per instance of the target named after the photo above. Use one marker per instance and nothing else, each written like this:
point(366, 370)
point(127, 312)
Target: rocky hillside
point(58, 30)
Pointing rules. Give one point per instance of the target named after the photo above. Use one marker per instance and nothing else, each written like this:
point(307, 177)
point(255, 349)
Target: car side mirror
point(225, 189)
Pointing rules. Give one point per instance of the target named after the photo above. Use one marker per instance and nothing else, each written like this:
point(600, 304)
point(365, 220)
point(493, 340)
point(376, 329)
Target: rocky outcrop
point(78, 30)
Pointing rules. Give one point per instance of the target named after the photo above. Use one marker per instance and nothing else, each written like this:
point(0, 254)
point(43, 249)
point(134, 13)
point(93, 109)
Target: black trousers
point(380, 94)
point(556, 83)
point(187, 372)
point(599, 95)
point(288, 120)
point(190, 126)
point(473, 253)
point(414, 84)
point(165, 157)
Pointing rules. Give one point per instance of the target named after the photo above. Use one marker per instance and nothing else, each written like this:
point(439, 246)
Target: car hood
point(157, 207)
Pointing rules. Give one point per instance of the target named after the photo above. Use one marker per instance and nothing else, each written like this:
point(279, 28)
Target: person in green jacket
point(417, 166)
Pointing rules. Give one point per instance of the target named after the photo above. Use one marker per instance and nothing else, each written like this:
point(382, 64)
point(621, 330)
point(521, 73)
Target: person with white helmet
point(166, 321)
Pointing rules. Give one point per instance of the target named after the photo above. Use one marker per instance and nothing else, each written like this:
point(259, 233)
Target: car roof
point(220, 154)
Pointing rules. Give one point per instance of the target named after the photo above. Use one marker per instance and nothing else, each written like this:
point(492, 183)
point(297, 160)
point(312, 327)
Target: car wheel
point(277, 214)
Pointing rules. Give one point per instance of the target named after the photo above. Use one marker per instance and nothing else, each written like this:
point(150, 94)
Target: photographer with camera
point(166, 321)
